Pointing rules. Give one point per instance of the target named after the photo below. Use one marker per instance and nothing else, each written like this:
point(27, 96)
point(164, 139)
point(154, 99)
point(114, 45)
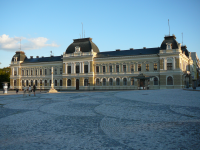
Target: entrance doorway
point(77, 84)
point(142, 84)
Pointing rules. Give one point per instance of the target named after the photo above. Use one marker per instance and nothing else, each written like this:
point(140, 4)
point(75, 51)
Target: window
point(124, 68)
point(55, 70)
point(132, 81)
point(117, 81)
point(15, 83)
point(86, 82)
point(31, 72)
point(110, 68)
point(104, 82)
point(169, 66)
point(104, 69)
point(40, 82)
point(15, 72)
point(60, 82)
point(50, 71)
point(45, 82)
point(55, 82)
point(169, 80)
point(132, 68)
point(60, 70)
point(35, 82)
point(31, 82)
point(69, 70)
point(169, 46)
point(77, 69)
point(26, 82)
point(139, 67)
point(22, 82)
point(22, 72)
point(27, 72)
point(97, 69)
point(110, 81)
point(86, 68)
point(147, 67)
point(68, 82)
point(155, 81)
point(117, 68)
point(45, 71)
point(97, 82)
point(155, 66)
point(124, 81)
point(50, 82)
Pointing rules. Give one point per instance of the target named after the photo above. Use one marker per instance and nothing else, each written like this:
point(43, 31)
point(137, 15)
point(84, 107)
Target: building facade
point(83, 67)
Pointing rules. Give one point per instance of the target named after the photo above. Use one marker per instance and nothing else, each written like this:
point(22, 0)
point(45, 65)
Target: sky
point(51, 25)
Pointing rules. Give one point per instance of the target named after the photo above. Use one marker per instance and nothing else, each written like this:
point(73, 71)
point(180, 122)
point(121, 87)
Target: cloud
point(13, 43)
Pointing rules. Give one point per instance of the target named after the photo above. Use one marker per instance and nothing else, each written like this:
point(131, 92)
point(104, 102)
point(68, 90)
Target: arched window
point(15, 83)
point(35, 82)
point(55, 82)
point(86, 82)
point(40, 82)
point(26, 82)
point(31, 82)
point(132, 81)
point(45, 82)
point(60, 82)
point(169, 80)
point(117, 81)
point(68, 82)
point(110, 81)
point(104, 82)
point(124, 81)
point(97, 82)
point(155, 81)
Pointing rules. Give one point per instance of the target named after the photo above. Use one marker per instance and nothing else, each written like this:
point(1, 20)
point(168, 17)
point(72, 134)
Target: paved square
point(152, 119)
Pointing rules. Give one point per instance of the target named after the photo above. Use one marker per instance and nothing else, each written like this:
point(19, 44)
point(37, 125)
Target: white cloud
point(13, 43)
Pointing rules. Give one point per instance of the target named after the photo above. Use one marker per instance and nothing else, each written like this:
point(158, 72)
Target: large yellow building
point(83, 67)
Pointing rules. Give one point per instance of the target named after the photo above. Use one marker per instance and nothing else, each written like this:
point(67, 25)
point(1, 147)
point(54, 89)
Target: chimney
point(117, 49)
point(37, 56)
point(144, 48)
point(31, 57)
point(131, 48)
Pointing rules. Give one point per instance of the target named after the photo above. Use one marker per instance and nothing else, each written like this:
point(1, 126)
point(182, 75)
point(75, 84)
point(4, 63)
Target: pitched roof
point(147, 51)
point(43, 59)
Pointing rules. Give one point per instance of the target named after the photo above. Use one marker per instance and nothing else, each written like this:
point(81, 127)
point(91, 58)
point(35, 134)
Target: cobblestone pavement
point(153, 119)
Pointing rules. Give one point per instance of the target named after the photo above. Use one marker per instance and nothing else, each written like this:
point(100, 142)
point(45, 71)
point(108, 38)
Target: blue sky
point(46, 25)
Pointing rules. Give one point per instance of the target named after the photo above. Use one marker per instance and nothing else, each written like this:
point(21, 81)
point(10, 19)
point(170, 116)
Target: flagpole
point(169, 27)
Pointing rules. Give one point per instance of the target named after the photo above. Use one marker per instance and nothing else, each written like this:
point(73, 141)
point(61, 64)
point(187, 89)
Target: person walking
point(29, 90)
point(34, 88)
point(24, 91)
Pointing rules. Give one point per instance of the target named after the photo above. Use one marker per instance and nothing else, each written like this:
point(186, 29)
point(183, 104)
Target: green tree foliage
point(4, 76)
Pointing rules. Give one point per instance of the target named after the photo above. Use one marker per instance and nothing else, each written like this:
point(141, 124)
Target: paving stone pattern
point(112, 120)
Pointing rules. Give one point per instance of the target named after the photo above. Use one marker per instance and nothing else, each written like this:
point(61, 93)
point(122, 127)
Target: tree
point(4, 75)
